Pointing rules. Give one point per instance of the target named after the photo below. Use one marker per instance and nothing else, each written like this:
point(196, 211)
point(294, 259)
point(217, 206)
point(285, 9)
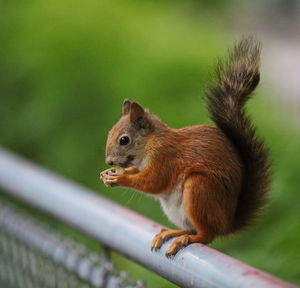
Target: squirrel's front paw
point(111, 178)
point(104, 175)
point(112, 172)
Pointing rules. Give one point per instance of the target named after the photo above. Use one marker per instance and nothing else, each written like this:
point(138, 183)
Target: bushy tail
point(236, 79)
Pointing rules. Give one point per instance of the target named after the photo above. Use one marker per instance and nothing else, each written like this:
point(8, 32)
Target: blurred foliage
point(65, 68)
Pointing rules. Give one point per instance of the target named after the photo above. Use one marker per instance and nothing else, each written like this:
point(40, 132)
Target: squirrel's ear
point(126, 107)
point(139, 117)
point(136, 112)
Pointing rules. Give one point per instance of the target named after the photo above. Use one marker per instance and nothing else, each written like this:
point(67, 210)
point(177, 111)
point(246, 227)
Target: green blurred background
point(65, 68)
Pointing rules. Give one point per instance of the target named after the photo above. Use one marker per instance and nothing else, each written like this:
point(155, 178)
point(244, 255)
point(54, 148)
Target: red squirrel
point(211, 181)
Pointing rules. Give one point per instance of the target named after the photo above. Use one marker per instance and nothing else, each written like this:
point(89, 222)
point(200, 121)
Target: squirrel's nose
point(109, 162)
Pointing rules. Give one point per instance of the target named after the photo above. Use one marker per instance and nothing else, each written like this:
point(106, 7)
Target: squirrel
point(211, 181)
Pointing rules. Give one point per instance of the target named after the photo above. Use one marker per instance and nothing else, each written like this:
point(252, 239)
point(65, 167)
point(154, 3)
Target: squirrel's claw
point(185, 240)
point(159, 239)
point(164, 235)
point(177, 244)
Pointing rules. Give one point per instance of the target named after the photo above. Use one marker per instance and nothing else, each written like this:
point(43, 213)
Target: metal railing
point(123, 230)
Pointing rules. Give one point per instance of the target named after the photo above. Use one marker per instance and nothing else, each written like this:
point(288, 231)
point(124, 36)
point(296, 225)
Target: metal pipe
point(123, 230)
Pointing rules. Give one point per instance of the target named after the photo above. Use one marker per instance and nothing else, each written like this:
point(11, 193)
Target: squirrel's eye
point(124, 140)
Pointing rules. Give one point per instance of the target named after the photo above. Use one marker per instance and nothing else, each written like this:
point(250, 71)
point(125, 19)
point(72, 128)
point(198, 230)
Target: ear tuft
point(126, 107)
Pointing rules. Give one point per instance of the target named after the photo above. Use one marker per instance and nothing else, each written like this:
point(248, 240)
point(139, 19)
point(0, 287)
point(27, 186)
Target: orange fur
point(212, 168)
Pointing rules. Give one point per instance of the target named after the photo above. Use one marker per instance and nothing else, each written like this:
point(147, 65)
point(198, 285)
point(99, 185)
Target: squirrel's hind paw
point(184, 241)
point(164, 235)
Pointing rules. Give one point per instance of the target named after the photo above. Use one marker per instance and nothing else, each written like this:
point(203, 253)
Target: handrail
point(123, 230)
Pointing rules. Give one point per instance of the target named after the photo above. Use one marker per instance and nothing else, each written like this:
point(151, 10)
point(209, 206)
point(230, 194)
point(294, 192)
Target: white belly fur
point(171, 204)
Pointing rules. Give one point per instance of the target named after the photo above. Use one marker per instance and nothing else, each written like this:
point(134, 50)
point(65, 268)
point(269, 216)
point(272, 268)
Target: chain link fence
point(33, 255)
